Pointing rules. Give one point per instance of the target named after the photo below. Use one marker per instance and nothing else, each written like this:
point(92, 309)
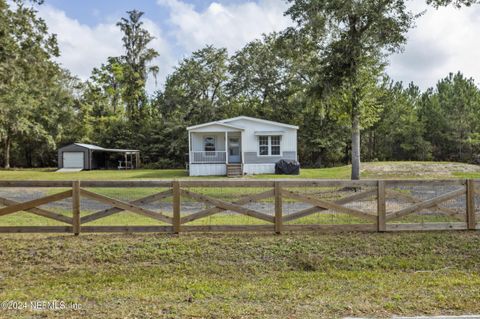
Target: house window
point(209, 144)
point(269, 145)
point(263, 142)
point(275, 142)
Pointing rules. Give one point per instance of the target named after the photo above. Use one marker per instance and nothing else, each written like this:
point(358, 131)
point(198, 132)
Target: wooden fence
point(372, 205)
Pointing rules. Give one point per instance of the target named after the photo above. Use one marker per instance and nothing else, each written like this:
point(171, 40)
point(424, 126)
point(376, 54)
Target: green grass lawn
point(254, 275)
point(51, 174)
point(342, 172)
point(243, 275)
point(374, 170)
point(466, 175)
point(131, 219)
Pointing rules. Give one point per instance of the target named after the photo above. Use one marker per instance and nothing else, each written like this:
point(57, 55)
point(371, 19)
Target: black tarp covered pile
point(287, 167)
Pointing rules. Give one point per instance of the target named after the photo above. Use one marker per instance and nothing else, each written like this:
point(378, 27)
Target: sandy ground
point(428, 317)
point(418, 169)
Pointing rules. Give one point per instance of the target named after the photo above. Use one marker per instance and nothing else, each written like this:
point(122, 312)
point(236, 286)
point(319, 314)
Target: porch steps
point(234, 170)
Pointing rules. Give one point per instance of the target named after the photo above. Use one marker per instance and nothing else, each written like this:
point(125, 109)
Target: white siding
point(250, 141)
point(251, 169)
point(249, 146)
point(207, 169)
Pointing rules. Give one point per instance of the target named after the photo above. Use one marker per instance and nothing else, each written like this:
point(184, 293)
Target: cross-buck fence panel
point(238, 205)
point(417, 205)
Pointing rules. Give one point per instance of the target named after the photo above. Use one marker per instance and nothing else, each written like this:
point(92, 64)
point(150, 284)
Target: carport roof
point(99, 148)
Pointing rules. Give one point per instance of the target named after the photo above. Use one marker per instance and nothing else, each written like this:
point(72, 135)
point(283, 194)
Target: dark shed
point(89, 157)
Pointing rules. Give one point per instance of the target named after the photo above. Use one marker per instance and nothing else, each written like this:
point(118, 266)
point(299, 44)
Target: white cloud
point(444, 40)
point(84, 47)
point(224, 25)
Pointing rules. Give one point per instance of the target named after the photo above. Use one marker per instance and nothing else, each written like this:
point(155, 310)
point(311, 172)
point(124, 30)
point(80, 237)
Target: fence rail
point(270, 205)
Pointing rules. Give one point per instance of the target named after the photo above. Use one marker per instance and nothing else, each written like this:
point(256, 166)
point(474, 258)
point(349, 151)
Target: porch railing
point(208, 157)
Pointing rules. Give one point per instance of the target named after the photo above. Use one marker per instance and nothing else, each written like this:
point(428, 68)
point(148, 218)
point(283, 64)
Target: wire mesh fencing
point(55, 213)
point(218, 206)
point(238, 205)
point(330, 205)
point(424, 204)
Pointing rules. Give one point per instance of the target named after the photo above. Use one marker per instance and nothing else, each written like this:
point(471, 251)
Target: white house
point(240, 145)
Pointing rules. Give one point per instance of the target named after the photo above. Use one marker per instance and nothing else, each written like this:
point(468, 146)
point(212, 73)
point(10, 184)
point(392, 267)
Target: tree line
point(326, 75)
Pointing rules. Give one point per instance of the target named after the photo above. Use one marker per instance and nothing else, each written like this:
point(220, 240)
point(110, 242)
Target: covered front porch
point(215, 147)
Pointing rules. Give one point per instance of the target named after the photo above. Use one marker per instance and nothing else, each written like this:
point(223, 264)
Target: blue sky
point(445, 40)
point(92, 12)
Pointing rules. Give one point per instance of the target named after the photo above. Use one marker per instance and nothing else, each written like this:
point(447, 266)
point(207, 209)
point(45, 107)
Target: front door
point(234, 150)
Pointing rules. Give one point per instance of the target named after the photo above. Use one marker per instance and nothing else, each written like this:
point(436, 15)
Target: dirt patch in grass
point(417, 169)
point(243, 275)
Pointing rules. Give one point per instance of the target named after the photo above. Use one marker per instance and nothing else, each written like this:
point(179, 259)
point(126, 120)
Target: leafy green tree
point(355, 33)
point(54, 117)
point(102, 103)
point(399, 133)
point(194, 93)
point(26, 72)
point(263, 80)
point(323, 133)
point(115, 110)
point(326, 75)
point(455, 3)
point(108, 82)
point(451, 113)
point(136, 63)
point(272, 78)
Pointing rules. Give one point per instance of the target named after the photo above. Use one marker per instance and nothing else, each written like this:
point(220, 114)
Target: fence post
point(76, 207)
point(176, 206)
point(471, 221)
point(278, 207)
point(381, 207)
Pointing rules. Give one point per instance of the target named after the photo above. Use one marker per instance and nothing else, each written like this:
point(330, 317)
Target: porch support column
point(226, 147)
point(241, 149)
point(90, 152)
point(189, 148)
point(241, 152)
